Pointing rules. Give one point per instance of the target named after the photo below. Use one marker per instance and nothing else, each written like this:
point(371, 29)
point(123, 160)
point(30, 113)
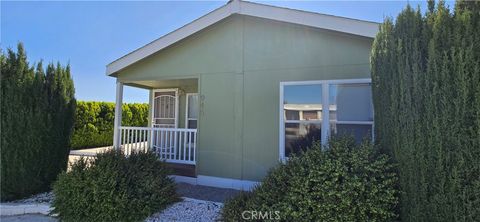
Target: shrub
point(113, 187)
point(94, 122)
point(426, 95)
point(37, 114)
point(347, 182)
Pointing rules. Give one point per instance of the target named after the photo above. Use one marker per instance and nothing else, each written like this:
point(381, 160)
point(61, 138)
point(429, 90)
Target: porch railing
point(173, 145)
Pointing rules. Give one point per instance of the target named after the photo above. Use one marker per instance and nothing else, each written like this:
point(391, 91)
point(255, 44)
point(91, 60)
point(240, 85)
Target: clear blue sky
point(89, 35)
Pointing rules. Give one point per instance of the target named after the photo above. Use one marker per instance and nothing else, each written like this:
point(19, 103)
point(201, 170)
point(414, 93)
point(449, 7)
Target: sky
point(90, 34)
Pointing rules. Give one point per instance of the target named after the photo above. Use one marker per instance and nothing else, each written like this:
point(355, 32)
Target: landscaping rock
point(189, 210)
point(46, 197)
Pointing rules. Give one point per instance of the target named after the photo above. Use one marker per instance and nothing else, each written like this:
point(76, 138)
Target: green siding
point(271, 45)
point(220, 151)
point(214, 50)
point(240, 63)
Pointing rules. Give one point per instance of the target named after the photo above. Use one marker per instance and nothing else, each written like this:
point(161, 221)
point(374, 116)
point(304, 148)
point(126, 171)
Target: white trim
point(354, 122)
point(312, 19)
point(118, 114)
point(330, 81)
point(316, 20)
point(325, 112)
point(220, 182)
point(281, 135)
point(152, 108)
point(229, 183)
point(303, 121)
point(186, 109)
point(157, 128)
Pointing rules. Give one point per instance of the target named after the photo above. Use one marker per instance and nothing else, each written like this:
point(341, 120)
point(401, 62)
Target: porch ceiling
point(170, 83)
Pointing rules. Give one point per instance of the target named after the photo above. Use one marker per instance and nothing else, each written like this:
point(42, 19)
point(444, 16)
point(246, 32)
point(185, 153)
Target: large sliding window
point(303, 118)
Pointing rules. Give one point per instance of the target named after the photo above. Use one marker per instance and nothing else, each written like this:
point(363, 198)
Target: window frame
point(325, 112)
point(186, 110)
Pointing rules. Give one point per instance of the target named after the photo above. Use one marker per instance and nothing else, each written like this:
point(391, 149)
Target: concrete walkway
point(76, 154)
point(9, 209)
point(90, 151)
point(28, 218)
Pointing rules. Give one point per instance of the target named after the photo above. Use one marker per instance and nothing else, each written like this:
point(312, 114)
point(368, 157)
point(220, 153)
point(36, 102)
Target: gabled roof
point(317, 20)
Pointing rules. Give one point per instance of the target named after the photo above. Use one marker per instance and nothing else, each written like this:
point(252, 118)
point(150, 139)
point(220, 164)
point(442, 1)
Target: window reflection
point(303, 94)
point(302, 116)
point(358, 131)
point(350, 112)
point(299, 136)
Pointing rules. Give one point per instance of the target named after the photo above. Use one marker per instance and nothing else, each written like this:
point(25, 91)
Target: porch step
point(182, 169)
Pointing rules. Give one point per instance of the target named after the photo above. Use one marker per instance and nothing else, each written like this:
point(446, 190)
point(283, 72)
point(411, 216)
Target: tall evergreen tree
point(37, 113)
point(429, 66)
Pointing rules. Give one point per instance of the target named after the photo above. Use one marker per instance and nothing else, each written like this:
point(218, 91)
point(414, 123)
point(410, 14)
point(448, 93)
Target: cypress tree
point(429, 66)
point(37, 111)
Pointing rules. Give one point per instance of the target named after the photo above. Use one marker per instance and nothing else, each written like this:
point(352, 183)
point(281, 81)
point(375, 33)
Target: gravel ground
point(201, 203)
point(205, 193)
point(184, 189)
point(46, 197)
point(189, 210)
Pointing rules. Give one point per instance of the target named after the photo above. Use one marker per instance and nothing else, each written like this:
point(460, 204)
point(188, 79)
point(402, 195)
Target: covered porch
point(172, 127)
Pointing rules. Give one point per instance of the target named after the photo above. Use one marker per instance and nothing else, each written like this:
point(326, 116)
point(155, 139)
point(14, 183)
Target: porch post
point(118, 115)
point(325, 114)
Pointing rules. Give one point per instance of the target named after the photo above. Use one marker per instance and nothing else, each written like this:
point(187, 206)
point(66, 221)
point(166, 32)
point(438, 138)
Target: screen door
point(165, 109)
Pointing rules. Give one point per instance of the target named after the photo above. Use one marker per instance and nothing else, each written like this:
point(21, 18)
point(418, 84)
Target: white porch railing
point(173, 145)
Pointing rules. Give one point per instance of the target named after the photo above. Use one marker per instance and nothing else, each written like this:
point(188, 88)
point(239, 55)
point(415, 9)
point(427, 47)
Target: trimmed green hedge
point(347, 182)
point(426, 93)
point(94, 122)
point(114, 187)
point(37, 115)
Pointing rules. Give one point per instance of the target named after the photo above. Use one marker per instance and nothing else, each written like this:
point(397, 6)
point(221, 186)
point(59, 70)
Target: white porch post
point(118, 115)
point(325, 113)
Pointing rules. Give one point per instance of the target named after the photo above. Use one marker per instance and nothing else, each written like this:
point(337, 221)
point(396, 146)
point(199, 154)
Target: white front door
point(165, 108)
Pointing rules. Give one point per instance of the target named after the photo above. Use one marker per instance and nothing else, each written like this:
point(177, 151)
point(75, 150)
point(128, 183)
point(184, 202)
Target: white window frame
point(325, 112)
point(152, 108)
point(186, 109)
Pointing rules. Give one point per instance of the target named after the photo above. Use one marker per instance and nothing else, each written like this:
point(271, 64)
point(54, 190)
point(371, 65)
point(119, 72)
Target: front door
point(165, 109)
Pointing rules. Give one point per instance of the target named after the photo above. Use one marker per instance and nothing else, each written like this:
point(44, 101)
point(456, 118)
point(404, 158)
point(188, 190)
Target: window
point(352, 111)
point(192, 111)
point(304, 120)
point(302, 107)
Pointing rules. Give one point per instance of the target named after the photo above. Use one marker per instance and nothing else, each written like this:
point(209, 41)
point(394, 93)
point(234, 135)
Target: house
point(233, 92)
